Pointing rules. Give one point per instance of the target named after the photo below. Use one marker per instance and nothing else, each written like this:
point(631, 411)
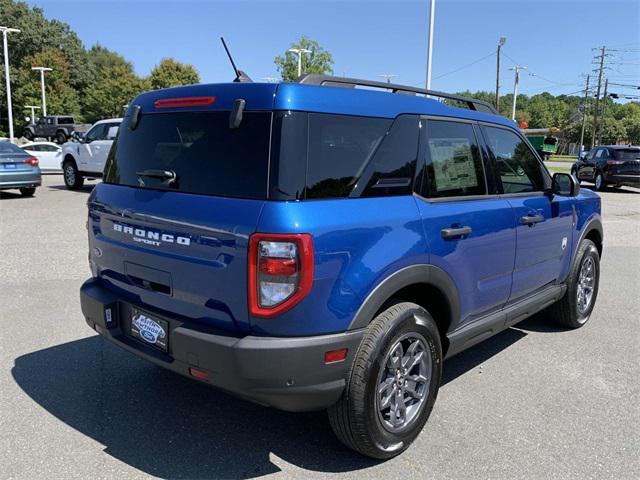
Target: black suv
point(615, 165)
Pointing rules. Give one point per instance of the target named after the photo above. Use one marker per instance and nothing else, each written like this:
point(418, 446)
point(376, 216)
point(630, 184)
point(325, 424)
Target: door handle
point(448, 233)
point(532, 219)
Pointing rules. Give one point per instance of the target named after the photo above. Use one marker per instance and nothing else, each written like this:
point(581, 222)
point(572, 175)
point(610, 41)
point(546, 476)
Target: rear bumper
point(285, 373)
point(620, 179)
point(19, 179)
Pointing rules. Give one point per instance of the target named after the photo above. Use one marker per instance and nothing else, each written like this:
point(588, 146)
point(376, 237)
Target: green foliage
point(115, 86)
point(319, 61)
point(171, 73)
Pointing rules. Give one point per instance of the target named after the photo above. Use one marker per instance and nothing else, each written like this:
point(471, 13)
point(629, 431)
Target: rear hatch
point(12, 159)
point(627, 161)
point(170, 225)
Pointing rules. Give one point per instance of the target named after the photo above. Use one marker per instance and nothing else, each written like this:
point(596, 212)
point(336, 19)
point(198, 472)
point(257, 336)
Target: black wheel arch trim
point(594, 223)
point(411, 275)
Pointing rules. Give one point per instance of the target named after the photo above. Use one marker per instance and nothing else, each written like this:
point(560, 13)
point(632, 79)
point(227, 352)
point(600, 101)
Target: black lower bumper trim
point(285, 373)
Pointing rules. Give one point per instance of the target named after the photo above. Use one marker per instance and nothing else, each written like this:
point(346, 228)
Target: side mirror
point(565, 184)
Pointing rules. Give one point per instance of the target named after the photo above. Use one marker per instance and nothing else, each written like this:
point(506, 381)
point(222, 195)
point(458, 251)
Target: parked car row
point(85, 157)
point(615, 165)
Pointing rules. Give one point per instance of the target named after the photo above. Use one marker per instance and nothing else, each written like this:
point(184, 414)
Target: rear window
point(206, 155)
point(628, 154)
point(6, 147)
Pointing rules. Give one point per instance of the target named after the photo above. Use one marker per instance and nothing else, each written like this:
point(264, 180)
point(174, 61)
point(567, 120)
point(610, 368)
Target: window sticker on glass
point(453, 164)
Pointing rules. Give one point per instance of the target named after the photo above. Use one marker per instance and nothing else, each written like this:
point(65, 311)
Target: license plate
point(9, 166)
point(150, 330)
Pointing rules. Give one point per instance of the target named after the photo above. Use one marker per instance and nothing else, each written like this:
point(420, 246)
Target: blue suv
point(326, 244)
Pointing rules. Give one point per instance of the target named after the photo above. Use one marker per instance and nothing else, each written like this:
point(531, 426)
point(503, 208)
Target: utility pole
point(432, 14)
point(500, 44)
point(5, 31)
point(299, 52)
point(44, 95)
point(604, 104)
point(388, 76)
point(516, 69)
point(584, 113)
point(595, 110)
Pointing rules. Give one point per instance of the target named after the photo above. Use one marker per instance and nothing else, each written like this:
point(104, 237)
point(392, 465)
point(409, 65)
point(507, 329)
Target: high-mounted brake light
point(184, 102)
point(33, 161)
point(280, 272)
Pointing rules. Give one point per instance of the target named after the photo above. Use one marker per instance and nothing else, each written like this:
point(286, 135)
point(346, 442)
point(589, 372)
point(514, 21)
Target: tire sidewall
point(402, 324)
point(595, 182)
point(589, 250)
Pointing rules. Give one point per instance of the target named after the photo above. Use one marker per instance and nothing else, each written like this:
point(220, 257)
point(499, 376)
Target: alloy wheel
point(403, 382)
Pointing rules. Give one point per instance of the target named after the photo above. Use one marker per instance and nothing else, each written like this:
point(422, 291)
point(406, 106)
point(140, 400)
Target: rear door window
point(517, 167)
point(630, 154)
point(206, 155)
point(453, 162)
point(339, 148)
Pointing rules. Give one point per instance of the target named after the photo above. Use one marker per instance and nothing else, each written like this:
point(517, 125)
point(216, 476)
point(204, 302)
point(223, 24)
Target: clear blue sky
point(553, 38)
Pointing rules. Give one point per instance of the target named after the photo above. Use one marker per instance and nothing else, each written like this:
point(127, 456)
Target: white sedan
point(49, 154)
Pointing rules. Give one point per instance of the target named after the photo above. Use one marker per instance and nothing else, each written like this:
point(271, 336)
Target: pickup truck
point(85, 157)
point(54, 127)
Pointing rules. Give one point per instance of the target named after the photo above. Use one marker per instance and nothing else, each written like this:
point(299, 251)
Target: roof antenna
point(240, 75)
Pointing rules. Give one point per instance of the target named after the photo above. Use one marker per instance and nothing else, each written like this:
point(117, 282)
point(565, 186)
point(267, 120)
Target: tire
point(356, 418)
point(61, 137)
point(28, 134)
point(28, 191)
point(72, 178)
point(598, 182)
point(568, 311)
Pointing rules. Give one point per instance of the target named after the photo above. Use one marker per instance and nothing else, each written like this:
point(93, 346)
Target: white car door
point(48, 154)
point(90, 146)
point(100, 147)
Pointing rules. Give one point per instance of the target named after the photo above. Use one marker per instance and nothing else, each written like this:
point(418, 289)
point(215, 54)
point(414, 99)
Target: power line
point(466, 66)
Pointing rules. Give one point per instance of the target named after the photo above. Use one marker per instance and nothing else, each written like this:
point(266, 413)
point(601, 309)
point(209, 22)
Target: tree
point(319, 61)
point(62, 98)
point(171, 73)
point(114, 88)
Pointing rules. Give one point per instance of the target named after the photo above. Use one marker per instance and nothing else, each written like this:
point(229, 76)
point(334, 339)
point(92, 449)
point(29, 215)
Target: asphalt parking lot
point(533, 402)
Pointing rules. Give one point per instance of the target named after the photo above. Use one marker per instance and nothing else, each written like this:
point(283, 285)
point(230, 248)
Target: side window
point(517, 167)
point(96, 133)
point(392, 169)
point(49, 121)
point(453, 162)
point(48, 148)
point(339, 149)
point(33, 148)
point(600, 153)
point(112, 130)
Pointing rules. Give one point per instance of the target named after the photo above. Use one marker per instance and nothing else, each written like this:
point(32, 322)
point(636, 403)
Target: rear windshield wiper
point(167, 176)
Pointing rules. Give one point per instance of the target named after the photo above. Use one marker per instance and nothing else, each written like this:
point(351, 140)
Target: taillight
point(280, 272)
point(33, 161)
point(615, 162)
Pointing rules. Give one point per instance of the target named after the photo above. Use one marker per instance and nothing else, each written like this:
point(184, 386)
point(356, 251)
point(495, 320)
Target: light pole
point(299, 52)
point(432, 14)
point(388, 76)
point(33, 112)
point(5, 32)
point(503, 40)
point(516, 69)
point(44, 95)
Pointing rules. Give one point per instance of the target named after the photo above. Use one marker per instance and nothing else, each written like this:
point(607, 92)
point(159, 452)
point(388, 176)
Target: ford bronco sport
point(309, 246)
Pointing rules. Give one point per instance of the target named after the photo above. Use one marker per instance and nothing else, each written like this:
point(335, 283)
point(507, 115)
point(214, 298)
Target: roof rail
point(328, 80)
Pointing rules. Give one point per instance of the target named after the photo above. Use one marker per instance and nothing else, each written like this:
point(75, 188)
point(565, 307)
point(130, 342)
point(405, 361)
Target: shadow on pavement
point(86, 188)
point(172, 427)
